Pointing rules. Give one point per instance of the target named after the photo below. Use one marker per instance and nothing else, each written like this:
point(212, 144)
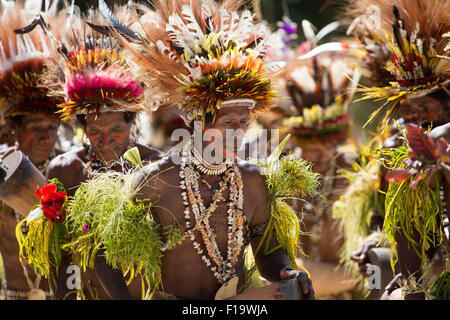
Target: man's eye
point(117, 129)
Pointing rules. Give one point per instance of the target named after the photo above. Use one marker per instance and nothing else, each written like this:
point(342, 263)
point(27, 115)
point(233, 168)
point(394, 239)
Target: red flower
point(51, 202)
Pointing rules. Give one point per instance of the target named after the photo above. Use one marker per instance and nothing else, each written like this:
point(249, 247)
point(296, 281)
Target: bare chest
point(206, 214)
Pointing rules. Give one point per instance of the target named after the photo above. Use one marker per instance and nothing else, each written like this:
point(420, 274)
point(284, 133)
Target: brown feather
point(432, 15)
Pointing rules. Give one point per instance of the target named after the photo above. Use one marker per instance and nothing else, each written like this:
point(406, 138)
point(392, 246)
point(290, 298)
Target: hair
point(442, 94)
point(15, 121)
point(129, 117)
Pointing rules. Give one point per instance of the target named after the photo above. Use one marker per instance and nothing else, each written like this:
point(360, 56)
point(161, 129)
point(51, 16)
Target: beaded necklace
point(223, 269)
point(96, 165)
point(206, 167)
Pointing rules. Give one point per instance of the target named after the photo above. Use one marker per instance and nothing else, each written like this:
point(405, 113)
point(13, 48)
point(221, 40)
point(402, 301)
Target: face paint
point(36, 136)
point(26, 135)
point(109, 142)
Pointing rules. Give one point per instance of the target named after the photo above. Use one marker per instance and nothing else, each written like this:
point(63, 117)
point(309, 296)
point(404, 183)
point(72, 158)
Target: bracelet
point(288, 268)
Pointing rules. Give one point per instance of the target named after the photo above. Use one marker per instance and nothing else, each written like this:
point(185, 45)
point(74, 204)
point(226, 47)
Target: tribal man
point(30, 115)
point(94, 79)
point(220, 201)
point(317, 83)
point(403, 45)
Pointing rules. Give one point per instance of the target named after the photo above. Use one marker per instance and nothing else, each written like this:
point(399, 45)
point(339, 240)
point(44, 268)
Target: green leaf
point(51, 239)
point(275, 155)
point(58, 184)
point(57, 228)
point(133, 156)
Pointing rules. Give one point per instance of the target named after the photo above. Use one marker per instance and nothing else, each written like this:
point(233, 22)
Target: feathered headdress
point(202, 56)
point(88, 67)
point(22, 60)
point(319, 84)
point(403, 48)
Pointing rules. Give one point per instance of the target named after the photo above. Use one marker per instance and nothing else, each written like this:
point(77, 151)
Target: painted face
point(318, 151)
point(233, 121)
point(37, 135)
point(109, 134)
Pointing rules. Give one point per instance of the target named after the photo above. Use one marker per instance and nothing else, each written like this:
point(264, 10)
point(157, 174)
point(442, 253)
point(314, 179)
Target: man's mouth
point(43, 150)
point(108, 154)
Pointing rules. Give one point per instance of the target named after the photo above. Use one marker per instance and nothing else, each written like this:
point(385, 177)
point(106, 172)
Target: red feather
point(423, 146)
point(398, 175)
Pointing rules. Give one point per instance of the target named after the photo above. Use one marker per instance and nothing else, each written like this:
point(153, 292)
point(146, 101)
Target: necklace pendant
point(37, 294)
point(227, 290)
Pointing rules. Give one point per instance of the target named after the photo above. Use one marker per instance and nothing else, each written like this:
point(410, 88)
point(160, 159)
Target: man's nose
point(106, 141)
point(47, 135)
point(239, 130)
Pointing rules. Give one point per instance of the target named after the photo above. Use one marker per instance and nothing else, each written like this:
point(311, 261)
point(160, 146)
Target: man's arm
point(150, 154)
point(69, 170)
point(275, 266)
point(111, 279)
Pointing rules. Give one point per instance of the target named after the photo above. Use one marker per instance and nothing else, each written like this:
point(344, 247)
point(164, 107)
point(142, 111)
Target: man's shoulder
point(251, 174)
point(163, 169)
point(69, 159)
point(249, 169)
point(163, 164)
point(69, 168)
point(149, 153)
point(157, 178)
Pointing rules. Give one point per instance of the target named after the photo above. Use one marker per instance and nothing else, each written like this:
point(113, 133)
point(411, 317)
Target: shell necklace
point(223, 269)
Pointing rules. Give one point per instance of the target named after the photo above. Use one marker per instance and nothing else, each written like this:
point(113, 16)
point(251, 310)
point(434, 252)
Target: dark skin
point(4, 135)
point(431, 108)
point(35, 136)
point(182, 265)
point(109, 135)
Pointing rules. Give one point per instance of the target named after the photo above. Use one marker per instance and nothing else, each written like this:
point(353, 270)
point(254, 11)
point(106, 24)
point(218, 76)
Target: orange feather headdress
point(22, 60)
point(201, 56)
point(89, 69)
point(318, 80)
point(403, 48)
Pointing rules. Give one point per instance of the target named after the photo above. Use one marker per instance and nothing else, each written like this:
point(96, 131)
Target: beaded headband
point(250, 104)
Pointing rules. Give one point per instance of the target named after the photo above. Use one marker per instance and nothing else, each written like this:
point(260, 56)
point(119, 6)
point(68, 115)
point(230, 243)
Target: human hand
point(362, 258)
point(304, 282)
